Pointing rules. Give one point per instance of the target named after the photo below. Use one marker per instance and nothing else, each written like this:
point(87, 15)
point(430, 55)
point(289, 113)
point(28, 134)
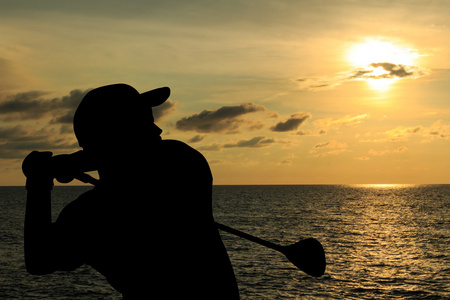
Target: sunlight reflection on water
point(381, 241)
point(384, 185)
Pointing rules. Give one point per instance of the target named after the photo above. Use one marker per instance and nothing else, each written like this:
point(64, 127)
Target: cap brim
point(156, 97)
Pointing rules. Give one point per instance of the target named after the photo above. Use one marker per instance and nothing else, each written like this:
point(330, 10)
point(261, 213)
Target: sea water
point(381, 242)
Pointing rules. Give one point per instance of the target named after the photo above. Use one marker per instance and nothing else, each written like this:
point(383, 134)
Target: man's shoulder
point(179, 148)
point(182, 155)
point(175, 144)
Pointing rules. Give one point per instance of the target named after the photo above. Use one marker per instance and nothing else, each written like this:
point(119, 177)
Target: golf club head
point(307, 255)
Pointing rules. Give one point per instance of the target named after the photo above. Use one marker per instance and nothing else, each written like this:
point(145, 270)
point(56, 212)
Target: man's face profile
point(116, 120)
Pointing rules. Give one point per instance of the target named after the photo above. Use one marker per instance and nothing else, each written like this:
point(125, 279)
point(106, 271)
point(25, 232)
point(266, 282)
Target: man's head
point(117, 115)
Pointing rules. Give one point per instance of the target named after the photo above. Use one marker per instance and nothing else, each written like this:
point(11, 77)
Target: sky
point(269, 91)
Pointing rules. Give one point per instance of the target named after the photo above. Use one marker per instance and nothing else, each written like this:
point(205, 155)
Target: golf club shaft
point(86, 178)
point(249, 237)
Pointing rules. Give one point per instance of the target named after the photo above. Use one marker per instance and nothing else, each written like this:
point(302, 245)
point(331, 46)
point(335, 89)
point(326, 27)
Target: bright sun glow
point(374, 51)
point(380, 85)
point(362, 55)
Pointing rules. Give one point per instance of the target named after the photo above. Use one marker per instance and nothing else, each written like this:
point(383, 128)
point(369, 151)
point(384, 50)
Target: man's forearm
point(37, 235)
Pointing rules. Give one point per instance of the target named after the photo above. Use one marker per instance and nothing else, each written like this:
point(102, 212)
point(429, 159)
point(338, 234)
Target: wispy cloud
point(256, 142)
point(380, 70)
point(196, 139)
point(387, 151)
point(326, 124)
point(211, 147)
point(330, 144)
point(379, 152)
point(438, 130)
point(224, 119)
point(362, 158)
point(323, 149)
point(402, 133)
point(400, 150)
point(322, 126)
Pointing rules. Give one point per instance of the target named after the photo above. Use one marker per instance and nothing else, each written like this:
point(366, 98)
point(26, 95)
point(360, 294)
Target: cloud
point(216, 161)
point(398, 134)
point(378, 153)
point(394, 71)
point(163, 110)
point(33, 105)
point(363, 158)
point(321, 126)
point(55, 116)
point(272, 115)
point(292, 123)
point(284, 162)
point(400, 150)
point(401, 133)
point(322, 149)
point(17, 141)
point(330, 144)
point(67, 118)
point(326, 124)
point(379, 70)
point(196, 139)
point(23, 106)
point(253, 125)
point(332, 152)
point(387, 151)
point(438, 130)
point(11, 132)
point(256, 142)
point(212, 147)
point(311, 133)
point(224, 119)
point(384, 70)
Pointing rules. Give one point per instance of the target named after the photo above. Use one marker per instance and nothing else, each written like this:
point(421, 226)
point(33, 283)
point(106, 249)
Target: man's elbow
point(38, 266)
point(33, 270)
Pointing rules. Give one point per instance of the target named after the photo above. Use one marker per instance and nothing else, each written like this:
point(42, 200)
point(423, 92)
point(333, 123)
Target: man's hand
point(36, 168)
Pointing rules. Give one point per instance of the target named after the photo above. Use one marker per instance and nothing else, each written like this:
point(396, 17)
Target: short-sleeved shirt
point(152, 231)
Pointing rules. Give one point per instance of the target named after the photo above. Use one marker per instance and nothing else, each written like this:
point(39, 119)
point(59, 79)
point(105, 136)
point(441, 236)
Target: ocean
point(381, 242)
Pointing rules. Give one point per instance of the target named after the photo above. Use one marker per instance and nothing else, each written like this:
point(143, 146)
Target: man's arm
point(38, 220)
point(38, 237)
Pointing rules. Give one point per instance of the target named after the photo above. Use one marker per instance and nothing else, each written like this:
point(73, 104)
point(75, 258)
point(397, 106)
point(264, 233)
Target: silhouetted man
point(147, 226)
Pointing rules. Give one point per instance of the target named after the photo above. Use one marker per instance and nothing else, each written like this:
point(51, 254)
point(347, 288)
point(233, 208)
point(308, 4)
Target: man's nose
point(157, 130)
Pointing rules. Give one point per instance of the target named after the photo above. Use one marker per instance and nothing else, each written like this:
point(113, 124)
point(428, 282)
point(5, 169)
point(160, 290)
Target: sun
point(372, 52)
point(375, 51)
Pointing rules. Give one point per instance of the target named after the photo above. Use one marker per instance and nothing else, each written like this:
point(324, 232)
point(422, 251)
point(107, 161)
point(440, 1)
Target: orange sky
point(271, 92)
